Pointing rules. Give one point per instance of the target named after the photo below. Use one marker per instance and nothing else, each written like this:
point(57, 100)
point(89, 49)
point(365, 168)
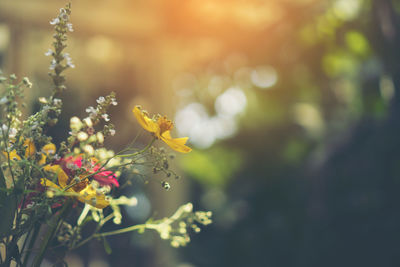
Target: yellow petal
point(13, 155)
point(147, 123)
point(47, 183)
point(90, 196)
point(30, 148)
point(49, 149)
point(42, 160)
point(62, 176)
point(177, 144)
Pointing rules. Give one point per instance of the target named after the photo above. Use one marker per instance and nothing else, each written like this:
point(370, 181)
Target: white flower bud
point(100, 137)
point(75, 124)
point(82, 136)
point(88, 122)
point(88, 149)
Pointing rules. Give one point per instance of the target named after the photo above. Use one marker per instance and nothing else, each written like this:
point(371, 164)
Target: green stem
point(124, 230)
point(138, 152)
point(101, 168)
point(50, 234)
point(31, 244)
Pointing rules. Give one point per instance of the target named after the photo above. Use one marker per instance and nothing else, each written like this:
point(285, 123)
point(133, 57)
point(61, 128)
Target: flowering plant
point(60, 189)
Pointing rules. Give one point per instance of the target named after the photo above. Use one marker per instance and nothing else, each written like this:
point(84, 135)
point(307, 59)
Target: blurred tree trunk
point(353, 206)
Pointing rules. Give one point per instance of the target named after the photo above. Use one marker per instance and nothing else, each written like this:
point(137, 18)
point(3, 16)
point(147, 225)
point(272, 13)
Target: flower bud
point(75, 124)
point(82, 136)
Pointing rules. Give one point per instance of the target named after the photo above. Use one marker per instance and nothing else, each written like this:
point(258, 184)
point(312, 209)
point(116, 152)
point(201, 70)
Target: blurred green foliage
point(213, 167)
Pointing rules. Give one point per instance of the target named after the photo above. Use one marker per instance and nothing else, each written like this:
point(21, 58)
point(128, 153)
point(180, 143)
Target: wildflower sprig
point(176, 228)
point(61, 61)
point(50, 193)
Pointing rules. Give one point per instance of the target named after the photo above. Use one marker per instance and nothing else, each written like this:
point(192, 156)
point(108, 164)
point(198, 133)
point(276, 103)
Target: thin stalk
point(124, 230)
point(101, 170)
point(138, 152)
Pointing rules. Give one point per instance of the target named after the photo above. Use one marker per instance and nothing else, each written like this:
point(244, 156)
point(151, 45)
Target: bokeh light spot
point(347, 9)
point(308, 116)
point(142, 210)
point(232, 102)
point(264, 76)
point(4, 37)
point(101, 48)
point(386, 87)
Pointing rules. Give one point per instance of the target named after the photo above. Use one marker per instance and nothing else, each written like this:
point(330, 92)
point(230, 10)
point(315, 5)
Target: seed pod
point(165, 185)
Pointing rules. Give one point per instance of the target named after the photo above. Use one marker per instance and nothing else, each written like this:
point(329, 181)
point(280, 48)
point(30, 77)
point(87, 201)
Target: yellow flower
point(83, 191)
point(30, 150)
point(161, 129)
point(48, 149)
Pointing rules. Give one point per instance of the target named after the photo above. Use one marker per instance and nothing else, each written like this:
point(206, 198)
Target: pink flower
point(71, 164)
point(105, 177)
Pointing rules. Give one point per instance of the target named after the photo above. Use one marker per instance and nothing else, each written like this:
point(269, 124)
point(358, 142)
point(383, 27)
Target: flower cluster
point(175, 228)
point(44, 184)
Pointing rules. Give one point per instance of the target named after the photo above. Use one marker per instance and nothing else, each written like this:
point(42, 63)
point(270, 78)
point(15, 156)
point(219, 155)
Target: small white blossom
point(69, 26)
point(53, 64)
point(101, 100)
point(55, 21)
point(57, 101)
point(48, 53)
point(91, 110)
point(3, 100)
point(112, 132)
point(114, 102)
point(68, 58)
point(63, 14)
point(12, 133)
point(105, 117)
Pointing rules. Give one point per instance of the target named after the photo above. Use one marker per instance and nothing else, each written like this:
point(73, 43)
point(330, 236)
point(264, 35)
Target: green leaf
point(107, 246)
point(8, 214)
point(2, 179)
point(3, 189)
